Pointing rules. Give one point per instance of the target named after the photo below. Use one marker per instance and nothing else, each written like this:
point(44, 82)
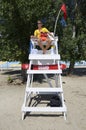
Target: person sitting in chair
point(42, 34)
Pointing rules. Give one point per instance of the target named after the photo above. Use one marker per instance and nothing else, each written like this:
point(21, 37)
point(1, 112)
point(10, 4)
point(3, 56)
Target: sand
point(11, 100)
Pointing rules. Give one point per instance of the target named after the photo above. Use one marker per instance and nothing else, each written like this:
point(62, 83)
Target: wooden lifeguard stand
point(44, 64)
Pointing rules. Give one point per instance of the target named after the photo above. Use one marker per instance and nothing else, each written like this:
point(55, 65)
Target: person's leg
point(48, 44)
point(40, 45)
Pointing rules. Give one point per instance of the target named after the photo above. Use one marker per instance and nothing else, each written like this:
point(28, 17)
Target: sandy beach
point(11, 100)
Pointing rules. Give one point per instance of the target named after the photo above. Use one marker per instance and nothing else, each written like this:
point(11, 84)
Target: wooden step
point(44, 57)
point(47, 90)
point(44, 109)
point(59, 71)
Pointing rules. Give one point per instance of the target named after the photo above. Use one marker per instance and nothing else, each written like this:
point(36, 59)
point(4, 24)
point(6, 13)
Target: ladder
point(45, 64)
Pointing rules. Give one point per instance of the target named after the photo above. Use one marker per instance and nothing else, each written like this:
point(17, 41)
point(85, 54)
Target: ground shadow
point(40, 78)
point(12, 72)
point(76, 72)
point(45, 100)
point(43, 115)
point(16, 74)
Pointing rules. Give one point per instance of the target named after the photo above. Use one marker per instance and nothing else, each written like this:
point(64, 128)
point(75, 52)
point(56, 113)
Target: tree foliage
point(73, 48)
point(18, 20)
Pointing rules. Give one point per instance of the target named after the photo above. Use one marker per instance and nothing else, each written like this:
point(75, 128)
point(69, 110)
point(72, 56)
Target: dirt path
point(11, 99)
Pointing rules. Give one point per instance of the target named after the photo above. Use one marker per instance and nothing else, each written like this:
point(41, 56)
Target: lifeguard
point(42, 34)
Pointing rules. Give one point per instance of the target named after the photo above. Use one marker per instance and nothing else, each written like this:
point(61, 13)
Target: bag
point(55, 101)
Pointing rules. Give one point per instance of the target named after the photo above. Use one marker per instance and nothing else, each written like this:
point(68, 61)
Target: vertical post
point(56, 22)
point(74, 31)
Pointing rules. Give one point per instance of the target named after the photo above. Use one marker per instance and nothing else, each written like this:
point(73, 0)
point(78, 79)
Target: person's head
point(40, 24)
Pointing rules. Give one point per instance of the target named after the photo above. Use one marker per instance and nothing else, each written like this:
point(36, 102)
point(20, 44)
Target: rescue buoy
point(44, 67)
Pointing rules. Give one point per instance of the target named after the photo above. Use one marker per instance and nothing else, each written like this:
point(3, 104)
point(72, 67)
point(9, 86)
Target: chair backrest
point(54, 44)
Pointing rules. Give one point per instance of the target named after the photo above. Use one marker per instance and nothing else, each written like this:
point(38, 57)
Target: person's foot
point(44, 51)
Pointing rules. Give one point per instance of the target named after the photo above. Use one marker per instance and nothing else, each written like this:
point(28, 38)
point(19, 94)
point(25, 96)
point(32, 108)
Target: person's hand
point(31, 36)
point(51, 34)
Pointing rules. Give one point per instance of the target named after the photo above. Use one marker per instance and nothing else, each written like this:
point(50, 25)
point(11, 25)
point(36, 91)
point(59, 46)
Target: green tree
point(19, 21)
point(73, 40)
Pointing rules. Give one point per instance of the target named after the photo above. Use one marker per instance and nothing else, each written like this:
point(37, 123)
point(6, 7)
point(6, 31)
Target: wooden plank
point(44, 57)
point(34, 90)
point(44, 109)
point(44, 71)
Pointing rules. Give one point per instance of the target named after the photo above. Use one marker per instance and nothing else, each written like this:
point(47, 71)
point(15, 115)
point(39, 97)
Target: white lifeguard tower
point(45, 64)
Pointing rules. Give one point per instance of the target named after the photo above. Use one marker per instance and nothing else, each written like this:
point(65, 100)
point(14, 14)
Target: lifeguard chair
point(45, 64)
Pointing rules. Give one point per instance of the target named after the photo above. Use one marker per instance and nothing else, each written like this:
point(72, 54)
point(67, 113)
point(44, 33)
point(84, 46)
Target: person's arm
point(49, 33)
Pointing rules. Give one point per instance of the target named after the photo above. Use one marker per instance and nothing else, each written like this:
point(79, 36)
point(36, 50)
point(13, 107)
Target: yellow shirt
point(37, 32)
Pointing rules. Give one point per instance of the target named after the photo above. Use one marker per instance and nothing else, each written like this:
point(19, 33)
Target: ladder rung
point(34, 90)
point(44, 71)
point(44, 109)
point(45, 57)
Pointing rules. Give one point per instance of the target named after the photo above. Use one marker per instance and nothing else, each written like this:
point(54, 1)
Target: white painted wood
point(44, 71)
point(48, 81)
point(44, 109)
point(44, 57)
point(37, 89)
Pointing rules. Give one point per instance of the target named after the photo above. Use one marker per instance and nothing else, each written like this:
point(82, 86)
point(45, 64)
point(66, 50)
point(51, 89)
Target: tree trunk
point(71, 67)
point(24, 75)
point(72, 62)
point(24, 68)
